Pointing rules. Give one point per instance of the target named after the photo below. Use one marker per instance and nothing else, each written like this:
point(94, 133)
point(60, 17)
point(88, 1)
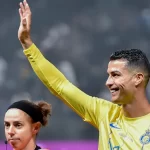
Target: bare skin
point(130, 91)
point(25, 25)
point(17, 125)
point(20, 132)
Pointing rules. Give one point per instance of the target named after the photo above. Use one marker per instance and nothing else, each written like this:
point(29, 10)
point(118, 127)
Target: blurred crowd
point(78, 37)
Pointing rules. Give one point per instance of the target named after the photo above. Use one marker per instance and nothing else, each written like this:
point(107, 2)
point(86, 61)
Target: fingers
point(20, 13)
point(25, 14)
point(22, 7)
point(27, 8)
point(23, 19)
point(28, 13)
point(25, 2)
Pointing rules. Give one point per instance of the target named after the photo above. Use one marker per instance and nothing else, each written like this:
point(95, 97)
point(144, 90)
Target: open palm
point(25, 21)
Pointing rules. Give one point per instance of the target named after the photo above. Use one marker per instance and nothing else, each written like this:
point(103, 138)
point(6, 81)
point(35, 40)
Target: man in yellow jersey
point(124, 123)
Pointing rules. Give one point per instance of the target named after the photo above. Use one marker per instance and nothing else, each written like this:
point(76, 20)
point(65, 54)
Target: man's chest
point(121, 135)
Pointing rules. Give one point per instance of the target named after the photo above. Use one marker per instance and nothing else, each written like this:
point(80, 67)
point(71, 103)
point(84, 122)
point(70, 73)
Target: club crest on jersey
point(145, 138)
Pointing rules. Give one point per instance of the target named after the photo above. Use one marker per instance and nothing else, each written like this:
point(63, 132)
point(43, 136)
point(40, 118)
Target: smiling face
point(19, 129)
point(121, 81)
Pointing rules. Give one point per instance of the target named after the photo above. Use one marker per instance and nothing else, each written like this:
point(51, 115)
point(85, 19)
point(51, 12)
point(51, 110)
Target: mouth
point(13, 139)
point(114, 91)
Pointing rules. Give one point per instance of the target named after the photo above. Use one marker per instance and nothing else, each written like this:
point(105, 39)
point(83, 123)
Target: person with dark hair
point(23, 120)
point(136, 60)
point(123, 123)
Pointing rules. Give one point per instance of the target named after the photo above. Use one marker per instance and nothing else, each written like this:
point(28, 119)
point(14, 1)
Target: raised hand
point(25, 24)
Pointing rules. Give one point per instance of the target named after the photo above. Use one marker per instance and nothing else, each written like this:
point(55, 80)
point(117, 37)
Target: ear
point(36, 127)
point(139, 78)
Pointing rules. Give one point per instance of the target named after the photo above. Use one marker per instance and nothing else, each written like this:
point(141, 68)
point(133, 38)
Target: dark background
point(78, 36)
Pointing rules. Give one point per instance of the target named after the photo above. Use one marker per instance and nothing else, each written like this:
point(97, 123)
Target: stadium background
point(78, 36)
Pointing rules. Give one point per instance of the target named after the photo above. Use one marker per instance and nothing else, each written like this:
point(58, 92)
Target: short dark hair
point(135, 58)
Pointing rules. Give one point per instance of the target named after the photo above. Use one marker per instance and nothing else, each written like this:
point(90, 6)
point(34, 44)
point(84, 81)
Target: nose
point(11, 131)
point(109, 82)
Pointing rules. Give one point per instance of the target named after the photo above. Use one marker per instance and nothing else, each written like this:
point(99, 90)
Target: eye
point(18, 125)
point(7, 125)
point(115, 75)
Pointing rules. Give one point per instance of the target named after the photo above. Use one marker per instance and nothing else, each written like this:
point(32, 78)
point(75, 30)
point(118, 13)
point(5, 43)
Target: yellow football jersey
point(116, 132)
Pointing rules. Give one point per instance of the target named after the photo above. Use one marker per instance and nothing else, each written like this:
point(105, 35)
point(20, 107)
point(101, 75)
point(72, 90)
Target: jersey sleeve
point(91, 109)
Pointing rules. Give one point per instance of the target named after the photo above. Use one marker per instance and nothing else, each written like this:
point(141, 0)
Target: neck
point(137, 108)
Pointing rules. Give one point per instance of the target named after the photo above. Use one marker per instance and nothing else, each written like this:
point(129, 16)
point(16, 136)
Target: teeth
point(112, 91)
